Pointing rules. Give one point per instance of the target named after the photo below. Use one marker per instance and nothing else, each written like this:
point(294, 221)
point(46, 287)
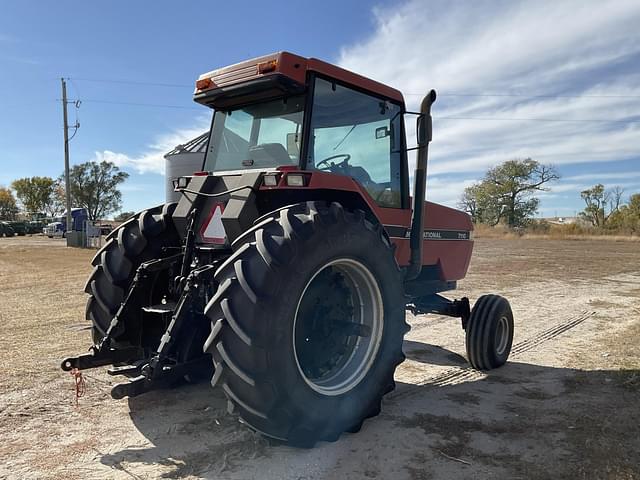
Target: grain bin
point(184, 160)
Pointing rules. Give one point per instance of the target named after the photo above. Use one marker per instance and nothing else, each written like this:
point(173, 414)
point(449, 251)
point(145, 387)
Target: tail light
point(180, 182)
point(295, 180)
point(270, 180)
point(266, 67)
point(204, 83)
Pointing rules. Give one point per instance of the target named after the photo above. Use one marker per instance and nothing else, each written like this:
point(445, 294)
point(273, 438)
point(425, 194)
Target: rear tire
point(267, 342)
point(489, 334)
point(139, 239)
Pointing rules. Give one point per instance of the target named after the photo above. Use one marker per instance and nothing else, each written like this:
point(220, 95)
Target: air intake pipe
point(424, 133)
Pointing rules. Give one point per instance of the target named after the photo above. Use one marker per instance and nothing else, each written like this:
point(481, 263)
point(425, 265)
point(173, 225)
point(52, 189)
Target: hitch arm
point(159, 371)
point(141, 275)
point(143, 383)
point(103, 354)
point(99, 357)
point(180, 313)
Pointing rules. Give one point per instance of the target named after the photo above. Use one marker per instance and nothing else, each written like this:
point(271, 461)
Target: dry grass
point(555, 232)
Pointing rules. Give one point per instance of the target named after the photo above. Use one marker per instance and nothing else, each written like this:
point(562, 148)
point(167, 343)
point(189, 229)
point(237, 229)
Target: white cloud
point(571, 60)
point(601, 177)
point(446, 190)
point(151, 160)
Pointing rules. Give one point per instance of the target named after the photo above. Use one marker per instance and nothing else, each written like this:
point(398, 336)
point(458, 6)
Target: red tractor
point(284, 272)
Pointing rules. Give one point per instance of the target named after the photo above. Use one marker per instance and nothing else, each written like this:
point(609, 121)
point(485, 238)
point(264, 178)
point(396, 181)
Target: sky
point(557, 81)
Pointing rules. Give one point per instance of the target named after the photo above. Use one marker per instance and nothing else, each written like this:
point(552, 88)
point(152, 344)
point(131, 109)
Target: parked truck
point(20, 228)
point(6, 230)
point(58, 228)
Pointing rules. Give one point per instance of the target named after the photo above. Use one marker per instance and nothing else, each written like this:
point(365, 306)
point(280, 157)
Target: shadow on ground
point(519, 421)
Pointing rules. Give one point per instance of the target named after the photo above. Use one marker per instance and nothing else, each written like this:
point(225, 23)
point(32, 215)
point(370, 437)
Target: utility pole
point(67, 182)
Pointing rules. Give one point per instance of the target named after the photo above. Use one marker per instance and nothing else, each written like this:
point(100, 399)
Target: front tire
point(489, 333)
point(308, 323)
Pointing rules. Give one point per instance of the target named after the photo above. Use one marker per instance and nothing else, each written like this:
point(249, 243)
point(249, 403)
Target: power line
point(134, 82)
point(452, 94)
point(136, 104)
point(156, 105)
point(183, 107)
point(520, 95)
point(538, 119)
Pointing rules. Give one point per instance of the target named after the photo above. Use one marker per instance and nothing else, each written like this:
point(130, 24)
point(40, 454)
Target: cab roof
point(293, 67)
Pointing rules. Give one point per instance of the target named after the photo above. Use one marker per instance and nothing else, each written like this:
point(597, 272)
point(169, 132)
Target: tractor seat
point(360, 175)
point(269, 155)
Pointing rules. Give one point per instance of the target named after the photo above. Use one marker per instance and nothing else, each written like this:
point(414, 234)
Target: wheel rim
point(502, 335)
point(338, 326)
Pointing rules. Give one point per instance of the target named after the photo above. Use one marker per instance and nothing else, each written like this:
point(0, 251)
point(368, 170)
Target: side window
point(278, 130)
point(232, 133)
point(260, 135)
point(356, 134)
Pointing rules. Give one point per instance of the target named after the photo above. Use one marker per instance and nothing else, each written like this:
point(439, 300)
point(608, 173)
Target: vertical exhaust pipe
point(424, 134)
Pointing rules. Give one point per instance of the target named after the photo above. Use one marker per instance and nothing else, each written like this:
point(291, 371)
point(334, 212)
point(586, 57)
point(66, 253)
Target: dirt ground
point(567, 405)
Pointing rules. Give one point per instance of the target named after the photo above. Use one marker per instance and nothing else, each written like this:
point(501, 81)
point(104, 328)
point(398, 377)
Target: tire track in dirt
point(457, 375)
point(551, 333)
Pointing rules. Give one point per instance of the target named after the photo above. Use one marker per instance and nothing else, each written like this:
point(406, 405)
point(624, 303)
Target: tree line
point(606, 210)
point(93, 185)
point(506, 196)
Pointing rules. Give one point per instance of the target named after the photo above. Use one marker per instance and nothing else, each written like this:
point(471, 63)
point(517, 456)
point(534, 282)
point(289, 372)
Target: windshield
point(263, 135)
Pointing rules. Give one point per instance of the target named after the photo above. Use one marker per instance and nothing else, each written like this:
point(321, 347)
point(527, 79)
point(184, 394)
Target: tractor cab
point(306, 114)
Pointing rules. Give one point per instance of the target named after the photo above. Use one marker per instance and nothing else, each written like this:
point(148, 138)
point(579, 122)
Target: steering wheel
point(342, 164)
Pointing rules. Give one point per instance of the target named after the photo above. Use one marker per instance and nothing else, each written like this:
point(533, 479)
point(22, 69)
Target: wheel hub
point(502, 335)
point(338, 326)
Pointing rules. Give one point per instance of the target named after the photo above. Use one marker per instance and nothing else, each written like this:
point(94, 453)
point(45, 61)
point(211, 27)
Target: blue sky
point(556, 81)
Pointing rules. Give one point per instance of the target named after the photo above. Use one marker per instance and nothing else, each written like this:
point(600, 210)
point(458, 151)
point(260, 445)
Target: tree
point(477, 201)
point(57, 205)
point(94, 186)
point(600, 204)
point(35, 193)
point(469, 202)
point(505, 192)
point(8, 207)
point(627, 218)
point(634, 205)
point(122, 216)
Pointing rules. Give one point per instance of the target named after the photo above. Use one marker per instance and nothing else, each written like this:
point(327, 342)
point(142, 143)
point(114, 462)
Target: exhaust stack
point(424, 133)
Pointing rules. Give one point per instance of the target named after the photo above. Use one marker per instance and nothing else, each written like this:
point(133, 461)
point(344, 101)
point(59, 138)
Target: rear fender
point(239, 208)
point(447, 235)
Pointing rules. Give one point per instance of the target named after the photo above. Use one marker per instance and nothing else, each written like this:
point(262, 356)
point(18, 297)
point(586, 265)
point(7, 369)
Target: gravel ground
point(565, 406)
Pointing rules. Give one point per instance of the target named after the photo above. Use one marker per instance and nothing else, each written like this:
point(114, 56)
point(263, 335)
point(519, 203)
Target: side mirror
point(293, 144)
point(382, 132)
point(423, 129)
point(423, 123)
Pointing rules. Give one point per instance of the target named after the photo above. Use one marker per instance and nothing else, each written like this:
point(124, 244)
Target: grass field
point(565, 406)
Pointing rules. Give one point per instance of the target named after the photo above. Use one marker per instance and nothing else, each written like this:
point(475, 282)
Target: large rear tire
point(307, 323)
point(142, 237)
